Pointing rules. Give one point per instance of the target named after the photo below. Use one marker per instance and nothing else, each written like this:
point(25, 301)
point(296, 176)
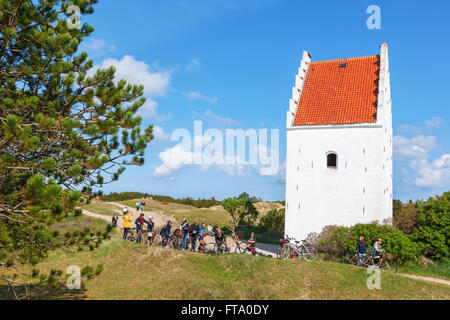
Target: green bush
point(344, 240)
point(273, 220)
point(433, 232)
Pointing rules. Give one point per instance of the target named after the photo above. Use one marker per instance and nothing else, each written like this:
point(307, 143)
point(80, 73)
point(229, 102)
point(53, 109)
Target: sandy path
point(429, 279)
point(159, 218)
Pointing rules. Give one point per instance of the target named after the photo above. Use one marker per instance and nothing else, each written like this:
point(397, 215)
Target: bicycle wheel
point(389, 266)
point(347, 259)
point(171, 242)
point(308, 252)
point(210, 248)
point(285, 252)
point(240, 248)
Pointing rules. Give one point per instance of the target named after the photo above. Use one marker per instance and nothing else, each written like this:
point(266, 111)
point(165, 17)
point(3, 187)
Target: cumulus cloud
point(159, 133)
point(217, 121)
point(175, 158)
point(413, 148)
point(432, 174)
point(428, 124)
point(434, 122)
point(155, 81)
point(97, 47)
point(196, 95)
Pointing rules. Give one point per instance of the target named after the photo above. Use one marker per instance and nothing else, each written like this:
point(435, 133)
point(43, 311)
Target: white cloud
point(431, 123)
point(213, 119)
point(193, 64)
point(196, 95)
point(434, 174)
point(174, 158)
point(434, 122)
point(155, 81)
point(97, 47)
point(413, 148)
point(159, 133)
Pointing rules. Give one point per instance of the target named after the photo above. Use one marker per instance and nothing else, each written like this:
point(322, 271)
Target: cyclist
point(210, 230)
point(139, 226)
point(215, 229)
point(115, 218)
point(251, 246)
point(220, 239)
point(185, 228)
point(376, 252)
point(150, 225)
point(202, 233)
point(361, 250)
point(193, 234)
point(127, 219)
point(165, 233)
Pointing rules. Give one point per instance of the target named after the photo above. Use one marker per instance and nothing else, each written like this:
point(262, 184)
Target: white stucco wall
point(359, 190)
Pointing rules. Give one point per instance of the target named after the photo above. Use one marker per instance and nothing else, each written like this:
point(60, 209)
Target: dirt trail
point(159, 218)
point(429, 279)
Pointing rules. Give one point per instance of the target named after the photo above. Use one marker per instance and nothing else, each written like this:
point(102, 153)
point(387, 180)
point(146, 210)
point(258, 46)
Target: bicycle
point(241, 247)
point(385, 263)
point(356, 260)
point(301, 249)
point(131, 234)
point(223, 249)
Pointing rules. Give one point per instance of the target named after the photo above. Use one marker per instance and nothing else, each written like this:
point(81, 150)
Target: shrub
point(433, 221)
point(405, 218)
point(336, 241)
point(78, 212)
point(273, 220)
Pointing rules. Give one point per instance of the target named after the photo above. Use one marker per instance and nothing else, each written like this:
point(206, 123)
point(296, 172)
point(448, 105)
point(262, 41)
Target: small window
point(332, 160)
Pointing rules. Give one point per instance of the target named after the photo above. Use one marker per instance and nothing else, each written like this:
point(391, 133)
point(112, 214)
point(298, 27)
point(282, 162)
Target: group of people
point(184, 234)
point(361, 250)
point(140, 205)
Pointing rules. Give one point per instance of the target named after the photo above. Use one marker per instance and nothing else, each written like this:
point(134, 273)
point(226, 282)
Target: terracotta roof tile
point(335, 94)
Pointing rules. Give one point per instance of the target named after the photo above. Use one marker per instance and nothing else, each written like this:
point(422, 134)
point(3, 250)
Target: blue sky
point(232, 64)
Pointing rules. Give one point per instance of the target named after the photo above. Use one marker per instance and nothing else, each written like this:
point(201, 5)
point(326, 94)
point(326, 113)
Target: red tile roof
point(333, 94)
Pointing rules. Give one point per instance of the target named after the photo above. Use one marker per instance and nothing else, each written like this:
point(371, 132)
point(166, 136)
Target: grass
point(138, 272)
point(206, 216)
point(79, 223)
point(438, 270)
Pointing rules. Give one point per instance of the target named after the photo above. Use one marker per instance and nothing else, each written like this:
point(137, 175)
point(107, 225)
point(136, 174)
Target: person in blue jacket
point(165, 232)
point(361, 250)
point(185, 228)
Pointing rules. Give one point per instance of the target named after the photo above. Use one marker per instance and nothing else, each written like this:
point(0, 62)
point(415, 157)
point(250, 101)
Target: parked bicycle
point(292, 248)
point(240, 247)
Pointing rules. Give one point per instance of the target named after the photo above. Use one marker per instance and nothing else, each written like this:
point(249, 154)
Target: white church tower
point(339, 144)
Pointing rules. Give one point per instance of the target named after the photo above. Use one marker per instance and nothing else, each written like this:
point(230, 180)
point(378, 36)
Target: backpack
point(163, 231)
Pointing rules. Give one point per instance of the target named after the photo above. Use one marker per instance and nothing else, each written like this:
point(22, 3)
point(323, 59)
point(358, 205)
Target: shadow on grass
point(41, 293)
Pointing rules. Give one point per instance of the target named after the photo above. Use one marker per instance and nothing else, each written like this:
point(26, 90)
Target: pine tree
point(63, 128)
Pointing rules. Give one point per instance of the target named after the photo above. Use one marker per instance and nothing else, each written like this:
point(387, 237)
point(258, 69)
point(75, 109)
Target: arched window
point(332, 160)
